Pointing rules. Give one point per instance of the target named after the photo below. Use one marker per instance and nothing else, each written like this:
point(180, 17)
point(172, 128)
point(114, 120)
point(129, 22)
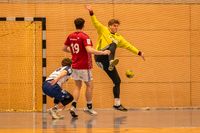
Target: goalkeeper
point(109, 39)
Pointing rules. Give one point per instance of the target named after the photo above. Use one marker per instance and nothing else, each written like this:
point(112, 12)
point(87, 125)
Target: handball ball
point(129, 73)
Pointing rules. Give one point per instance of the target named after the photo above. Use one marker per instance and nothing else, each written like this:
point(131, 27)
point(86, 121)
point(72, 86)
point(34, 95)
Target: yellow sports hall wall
point(168, 34)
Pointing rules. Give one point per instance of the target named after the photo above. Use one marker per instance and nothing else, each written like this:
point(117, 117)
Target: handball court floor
point(107, 121)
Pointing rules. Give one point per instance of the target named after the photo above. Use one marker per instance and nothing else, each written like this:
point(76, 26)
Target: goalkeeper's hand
point(141, 54)
point(89, 8)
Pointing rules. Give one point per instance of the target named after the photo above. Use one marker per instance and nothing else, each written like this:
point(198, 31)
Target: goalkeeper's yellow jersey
point(105, 37)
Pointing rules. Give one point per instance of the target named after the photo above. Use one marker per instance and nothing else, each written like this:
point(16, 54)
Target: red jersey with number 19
point(81, 59)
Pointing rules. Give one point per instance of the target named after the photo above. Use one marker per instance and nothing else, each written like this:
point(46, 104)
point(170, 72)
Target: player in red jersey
point(81, 49)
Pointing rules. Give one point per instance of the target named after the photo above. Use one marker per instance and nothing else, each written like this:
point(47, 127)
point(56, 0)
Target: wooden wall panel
point(56, 15)
point(195, 43)
point(5, 96)
point(103, 95)
point(55, 43)
point(195, 69)
point(156, 1)
point(21, 101)
point(23, 68)
point(155, 94)
point(34, 1)
point(195, 17)
point(38, 69)
point(154, 17)
point(53, 13)
point(154, 69)
point(4, 1)
point(17, 10)
point(106, 1)
point(195, 93)
point(38, 96)
point(4, 63)
point(158, 43)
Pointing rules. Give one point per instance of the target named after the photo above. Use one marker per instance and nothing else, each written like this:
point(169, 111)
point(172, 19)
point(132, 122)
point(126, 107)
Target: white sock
point(74, 101)
point(89, 102)
point(56, 106)
point(117, 102)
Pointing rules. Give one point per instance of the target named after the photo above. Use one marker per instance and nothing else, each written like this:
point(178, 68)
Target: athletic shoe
point(120, 108)
point(90, 111)
point(73, 113)
point(60, 116)
point(112, 64)
point(54, 114)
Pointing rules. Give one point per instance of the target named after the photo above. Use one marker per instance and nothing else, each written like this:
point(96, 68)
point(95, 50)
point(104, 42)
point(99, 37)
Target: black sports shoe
point(73, 113)
point(120, 108)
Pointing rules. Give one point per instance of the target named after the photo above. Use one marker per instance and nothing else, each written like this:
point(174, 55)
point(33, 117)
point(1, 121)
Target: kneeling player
point(52, 87)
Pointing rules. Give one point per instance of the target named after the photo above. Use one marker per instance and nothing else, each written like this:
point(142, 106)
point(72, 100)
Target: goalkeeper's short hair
point(113, 21)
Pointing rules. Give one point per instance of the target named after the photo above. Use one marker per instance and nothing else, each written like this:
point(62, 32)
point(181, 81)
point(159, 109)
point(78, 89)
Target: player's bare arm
point(96, 52)
point(66, 49)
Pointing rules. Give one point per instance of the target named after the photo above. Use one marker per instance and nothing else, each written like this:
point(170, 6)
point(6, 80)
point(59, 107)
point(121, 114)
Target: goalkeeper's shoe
point(112, 64)
point(120, 108)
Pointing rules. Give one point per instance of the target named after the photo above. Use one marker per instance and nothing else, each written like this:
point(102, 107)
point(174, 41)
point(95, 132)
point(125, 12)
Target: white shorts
point(84, 75)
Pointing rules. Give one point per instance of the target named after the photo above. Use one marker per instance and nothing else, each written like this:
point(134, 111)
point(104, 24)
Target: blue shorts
point(54, 91)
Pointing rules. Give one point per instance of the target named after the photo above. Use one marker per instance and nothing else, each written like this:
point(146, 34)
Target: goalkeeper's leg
point(112, 61)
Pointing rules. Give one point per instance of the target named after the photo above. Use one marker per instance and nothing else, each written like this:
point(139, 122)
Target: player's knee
point(113, 45)
point(56, 101)
point(68, 99)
